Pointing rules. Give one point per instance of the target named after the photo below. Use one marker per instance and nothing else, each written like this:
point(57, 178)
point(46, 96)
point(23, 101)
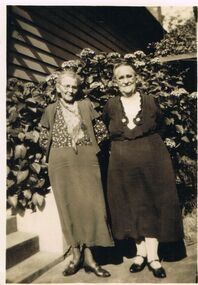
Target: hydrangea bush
point(27, 180)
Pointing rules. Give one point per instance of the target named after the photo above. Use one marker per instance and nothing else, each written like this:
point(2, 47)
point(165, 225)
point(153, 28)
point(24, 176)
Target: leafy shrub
point(180, 40)
point(27, 171)
point(190, 226)
point(27, 179)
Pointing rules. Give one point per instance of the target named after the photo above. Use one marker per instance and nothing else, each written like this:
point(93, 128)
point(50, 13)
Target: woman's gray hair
point(122, 63)
point(69, 73)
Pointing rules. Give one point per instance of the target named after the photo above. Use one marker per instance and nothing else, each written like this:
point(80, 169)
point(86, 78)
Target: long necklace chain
point(73, 108)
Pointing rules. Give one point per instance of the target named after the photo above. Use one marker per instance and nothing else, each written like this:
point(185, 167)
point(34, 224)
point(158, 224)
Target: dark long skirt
point(142, 193)
point(76, 183)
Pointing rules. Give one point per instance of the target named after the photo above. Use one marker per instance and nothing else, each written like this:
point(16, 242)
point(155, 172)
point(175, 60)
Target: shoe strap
point(71, 264)
point(143, 257)
point(140, 256)
point(157, 260)
point(154, 260)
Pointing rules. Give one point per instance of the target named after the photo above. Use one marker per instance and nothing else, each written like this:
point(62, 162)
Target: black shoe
point(72, 267)
point(157, 272)
point(98, 270)
point(135, 267)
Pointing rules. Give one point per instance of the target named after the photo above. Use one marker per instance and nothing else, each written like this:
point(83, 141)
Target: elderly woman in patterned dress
point(75, 174)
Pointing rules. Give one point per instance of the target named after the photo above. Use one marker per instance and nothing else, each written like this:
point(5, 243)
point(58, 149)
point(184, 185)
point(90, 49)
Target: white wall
point(46, 225)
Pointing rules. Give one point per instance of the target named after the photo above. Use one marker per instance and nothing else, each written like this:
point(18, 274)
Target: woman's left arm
point(160, 119)
point(105, 114)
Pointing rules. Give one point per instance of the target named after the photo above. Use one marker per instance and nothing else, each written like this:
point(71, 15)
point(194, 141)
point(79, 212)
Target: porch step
point(32, 267)
point(11, 225)
point(20, 246)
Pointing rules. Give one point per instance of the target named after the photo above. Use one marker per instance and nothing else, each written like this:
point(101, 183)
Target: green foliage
point(27, 171)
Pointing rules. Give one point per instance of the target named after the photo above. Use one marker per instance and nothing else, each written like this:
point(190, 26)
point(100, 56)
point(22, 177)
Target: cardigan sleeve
point(105, 114)
point(160, 119)
point(94, 114)
point(44, 122)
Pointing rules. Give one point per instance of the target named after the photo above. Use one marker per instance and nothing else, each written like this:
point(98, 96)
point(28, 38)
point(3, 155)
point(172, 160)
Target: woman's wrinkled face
point(125, 79)
point(68, 87)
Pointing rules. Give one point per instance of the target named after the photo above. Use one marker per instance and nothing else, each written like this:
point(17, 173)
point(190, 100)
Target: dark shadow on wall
point(135, 26)
point(22, 58)
point(129, 29)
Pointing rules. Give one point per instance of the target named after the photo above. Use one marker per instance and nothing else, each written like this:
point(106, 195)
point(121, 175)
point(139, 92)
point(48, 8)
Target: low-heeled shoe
point(157, 272)
point(72, 268)
point(135, 267)
point(98, 270)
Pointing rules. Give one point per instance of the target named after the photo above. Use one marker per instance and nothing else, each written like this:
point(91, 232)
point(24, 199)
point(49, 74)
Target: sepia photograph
point(101, 144)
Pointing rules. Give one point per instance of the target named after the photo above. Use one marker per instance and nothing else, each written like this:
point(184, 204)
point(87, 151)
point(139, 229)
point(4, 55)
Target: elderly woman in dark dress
point(75, 175)
point(142, 193)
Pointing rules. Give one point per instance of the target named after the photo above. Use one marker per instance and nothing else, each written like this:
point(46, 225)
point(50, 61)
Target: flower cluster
point(52, 77)
point(113, 55)
point(74, 65)
point(100, 57)
point(87, 53)
point(170, 142)
point(179, 92)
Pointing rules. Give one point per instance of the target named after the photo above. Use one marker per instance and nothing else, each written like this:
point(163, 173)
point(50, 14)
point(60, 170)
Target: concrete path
point(183, 271)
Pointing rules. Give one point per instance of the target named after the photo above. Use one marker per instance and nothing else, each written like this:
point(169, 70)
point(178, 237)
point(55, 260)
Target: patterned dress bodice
point(60, 135)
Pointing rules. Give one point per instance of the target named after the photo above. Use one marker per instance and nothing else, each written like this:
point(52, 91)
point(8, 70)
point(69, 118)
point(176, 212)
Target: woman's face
point(126, 80)
point(68, 87)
